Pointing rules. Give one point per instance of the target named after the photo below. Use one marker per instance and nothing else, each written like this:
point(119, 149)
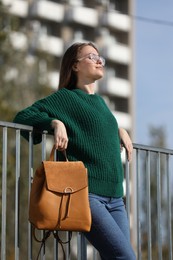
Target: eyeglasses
point(94, 57)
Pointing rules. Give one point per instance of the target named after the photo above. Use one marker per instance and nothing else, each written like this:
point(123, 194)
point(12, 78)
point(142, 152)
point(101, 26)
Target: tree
point(23, 80)
point(157, 139)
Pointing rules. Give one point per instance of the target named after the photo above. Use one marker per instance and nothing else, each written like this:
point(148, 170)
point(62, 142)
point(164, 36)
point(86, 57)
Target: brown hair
point(68, 78)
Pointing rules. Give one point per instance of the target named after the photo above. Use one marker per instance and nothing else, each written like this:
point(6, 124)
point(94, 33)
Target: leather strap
point(51, 158)
point(67, 210)
point(42, 241)
point(56, 236)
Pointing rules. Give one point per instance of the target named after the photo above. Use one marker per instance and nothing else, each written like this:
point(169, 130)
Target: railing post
point(17, 193)
point(127, 189)
point(148, 204)
point(168, 185)
point(138, 206)
point(81, 245)
point(43, 250)
point(29, 190)
point(4, 194)
point(159, 228)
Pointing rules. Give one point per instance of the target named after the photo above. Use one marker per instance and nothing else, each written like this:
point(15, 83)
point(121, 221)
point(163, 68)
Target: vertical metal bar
point(29, 190)
point(44, 145)
point(159, 208)
point(4, 194)
point(67, 251)
point(169, 207)
point(43, 251)
point(78, 246)
point(55, 249)
point(17, 194)
point(148, 204)
point(81, 248)
point(95, 254)
point(138, 206)
point(127, 189)
point(133, 195)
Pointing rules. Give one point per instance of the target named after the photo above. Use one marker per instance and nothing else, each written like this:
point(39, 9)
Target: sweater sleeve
point(37, 117)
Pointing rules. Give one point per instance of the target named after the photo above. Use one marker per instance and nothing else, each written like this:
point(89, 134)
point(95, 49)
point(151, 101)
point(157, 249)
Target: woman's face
point(89, 64)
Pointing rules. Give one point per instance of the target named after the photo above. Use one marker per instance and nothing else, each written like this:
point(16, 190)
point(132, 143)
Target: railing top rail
point(135, 146)
point(16, 126)
point(152, 149)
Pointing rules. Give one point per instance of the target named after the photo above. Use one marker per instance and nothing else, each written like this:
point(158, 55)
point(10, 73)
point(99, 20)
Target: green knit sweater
point(92, 132)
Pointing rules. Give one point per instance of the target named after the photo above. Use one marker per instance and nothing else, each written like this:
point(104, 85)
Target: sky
point(154, 69)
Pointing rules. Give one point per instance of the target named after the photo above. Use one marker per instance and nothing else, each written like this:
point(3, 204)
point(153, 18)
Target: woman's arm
point(37, 117)
point(60, 135)
point(34, 116)
point(125, 139)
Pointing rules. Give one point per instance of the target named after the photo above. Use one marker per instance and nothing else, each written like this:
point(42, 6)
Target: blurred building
point(51, 26)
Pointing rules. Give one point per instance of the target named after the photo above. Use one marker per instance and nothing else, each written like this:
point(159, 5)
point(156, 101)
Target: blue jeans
point(110, 229)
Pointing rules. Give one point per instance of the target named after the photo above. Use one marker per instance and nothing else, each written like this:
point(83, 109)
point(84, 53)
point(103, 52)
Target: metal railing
point(148, 196)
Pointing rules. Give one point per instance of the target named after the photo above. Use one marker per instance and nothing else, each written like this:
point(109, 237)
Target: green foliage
point(157, 136)
point(21, 79)
point(157, 139)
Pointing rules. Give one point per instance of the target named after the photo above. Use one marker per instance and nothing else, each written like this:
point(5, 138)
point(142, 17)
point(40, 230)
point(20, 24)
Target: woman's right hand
point(60, 135)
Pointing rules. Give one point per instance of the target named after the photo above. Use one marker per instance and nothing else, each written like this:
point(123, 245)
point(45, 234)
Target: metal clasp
point(68, 190)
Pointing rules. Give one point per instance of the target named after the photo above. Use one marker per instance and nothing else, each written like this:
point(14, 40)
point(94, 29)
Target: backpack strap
point(46, 236)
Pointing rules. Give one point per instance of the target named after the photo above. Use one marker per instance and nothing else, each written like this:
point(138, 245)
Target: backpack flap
point(65, 177)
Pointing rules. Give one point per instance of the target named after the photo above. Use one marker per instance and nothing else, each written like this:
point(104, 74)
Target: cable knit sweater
point(92, 132)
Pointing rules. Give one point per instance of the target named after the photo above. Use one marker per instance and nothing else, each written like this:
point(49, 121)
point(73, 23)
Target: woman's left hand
point(126, 140)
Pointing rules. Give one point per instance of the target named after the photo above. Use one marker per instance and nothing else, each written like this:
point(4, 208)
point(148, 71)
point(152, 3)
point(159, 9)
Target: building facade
point(51, 26)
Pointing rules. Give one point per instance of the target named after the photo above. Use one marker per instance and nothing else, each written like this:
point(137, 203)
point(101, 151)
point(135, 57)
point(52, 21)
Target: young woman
point(83, 125)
